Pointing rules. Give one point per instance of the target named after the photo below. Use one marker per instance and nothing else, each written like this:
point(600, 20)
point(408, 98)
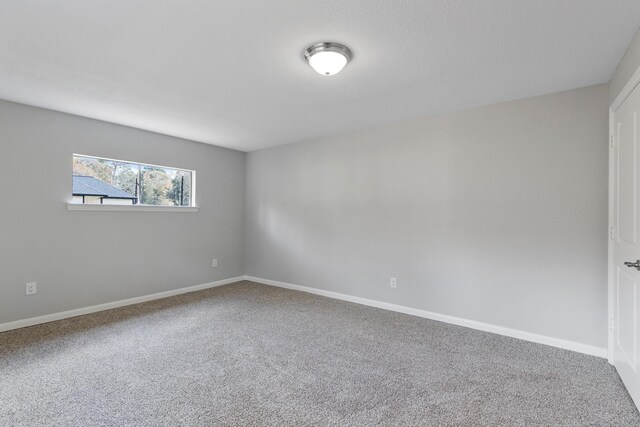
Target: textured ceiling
point(231, 72)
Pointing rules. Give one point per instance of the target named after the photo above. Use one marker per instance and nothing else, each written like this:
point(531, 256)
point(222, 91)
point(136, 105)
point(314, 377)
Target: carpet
point(247, 354)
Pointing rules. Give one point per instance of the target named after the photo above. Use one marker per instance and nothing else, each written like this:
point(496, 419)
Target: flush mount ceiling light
point(327, 58)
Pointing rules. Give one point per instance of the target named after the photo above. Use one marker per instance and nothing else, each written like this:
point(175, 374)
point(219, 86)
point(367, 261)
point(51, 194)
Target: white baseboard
point(500, 330)
point(109, 305)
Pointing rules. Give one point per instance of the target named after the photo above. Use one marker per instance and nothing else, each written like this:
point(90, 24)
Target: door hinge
point(611, 141)
point(612, 233)
point(611, 326)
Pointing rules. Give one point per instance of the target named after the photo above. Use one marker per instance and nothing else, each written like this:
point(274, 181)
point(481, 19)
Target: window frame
point(193, 207)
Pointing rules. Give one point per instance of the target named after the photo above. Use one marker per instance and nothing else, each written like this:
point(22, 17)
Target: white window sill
point(130, 208)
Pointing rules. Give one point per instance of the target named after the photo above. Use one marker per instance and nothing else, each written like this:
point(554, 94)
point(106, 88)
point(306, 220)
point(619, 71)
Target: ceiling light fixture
point(327, 58)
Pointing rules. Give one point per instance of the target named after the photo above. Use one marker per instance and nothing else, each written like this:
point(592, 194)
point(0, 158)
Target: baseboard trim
point(110, 305)
point(486, 327)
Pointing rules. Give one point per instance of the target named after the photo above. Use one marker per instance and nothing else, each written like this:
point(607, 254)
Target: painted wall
point(627, 66)
point(497, 214)
point(112, 255)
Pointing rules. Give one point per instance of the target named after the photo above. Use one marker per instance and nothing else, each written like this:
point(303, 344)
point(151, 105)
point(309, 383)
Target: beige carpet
point(249, 354)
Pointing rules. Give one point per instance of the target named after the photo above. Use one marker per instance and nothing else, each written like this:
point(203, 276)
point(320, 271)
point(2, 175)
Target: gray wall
point(85, 258)
point(497, 214)
point(627, 66)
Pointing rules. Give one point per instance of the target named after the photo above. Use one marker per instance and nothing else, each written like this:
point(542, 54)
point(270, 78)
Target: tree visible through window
point(105, 181)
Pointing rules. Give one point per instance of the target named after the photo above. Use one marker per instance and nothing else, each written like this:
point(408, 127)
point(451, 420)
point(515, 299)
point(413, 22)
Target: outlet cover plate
point(31, 288)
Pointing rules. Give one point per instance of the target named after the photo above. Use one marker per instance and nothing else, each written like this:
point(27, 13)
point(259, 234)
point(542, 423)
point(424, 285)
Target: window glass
point(106, 181)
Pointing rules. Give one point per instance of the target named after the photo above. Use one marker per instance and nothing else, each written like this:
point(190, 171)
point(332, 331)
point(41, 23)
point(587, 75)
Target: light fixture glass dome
point(327, 58)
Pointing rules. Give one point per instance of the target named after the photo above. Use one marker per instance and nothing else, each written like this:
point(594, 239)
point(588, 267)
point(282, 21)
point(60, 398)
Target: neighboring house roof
point(90, 186)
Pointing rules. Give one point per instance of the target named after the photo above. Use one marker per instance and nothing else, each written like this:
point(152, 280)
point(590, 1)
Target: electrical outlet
point(393, 282)
point(32, 288)
point(214, 263)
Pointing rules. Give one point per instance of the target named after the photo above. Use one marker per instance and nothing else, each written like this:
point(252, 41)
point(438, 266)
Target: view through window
point(114, 182)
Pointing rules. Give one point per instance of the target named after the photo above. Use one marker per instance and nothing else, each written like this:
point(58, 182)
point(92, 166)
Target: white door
point(626, 243)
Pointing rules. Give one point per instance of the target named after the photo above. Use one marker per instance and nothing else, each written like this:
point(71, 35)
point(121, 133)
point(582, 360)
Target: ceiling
point(232, 73)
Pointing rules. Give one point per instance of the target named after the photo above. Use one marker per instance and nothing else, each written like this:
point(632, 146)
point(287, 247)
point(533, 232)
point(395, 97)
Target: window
point(98, 181)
